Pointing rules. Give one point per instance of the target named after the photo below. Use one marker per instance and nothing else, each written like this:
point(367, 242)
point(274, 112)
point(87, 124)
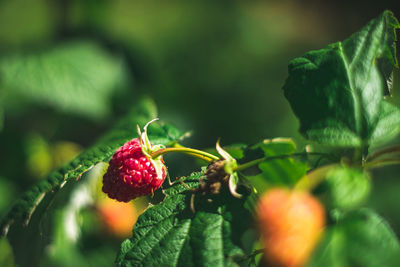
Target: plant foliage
point(340, 95)
point(75, 77)
point(36, 201)
point(171, 234)
point(338, 92)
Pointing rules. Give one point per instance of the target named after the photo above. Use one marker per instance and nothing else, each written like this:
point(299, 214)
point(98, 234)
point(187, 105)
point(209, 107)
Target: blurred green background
point(69, 69)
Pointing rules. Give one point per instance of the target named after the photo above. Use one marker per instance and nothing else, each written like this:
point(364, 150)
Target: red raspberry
point(131, 174)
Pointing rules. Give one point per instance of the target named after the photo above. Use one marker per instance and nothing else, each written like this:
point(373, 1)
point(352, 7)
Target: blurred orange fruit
point(291, 224)
point(118, 217)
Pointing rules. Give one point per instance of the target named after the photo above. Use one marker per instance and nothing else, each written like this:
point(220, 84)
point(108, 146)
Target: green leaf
point(1, 117)
point(388, 125)
point(6, 255)
point(7, 192)
point(334, 134)
point(278, 172)
point(75, 77)
point(285, 171)
point(170, 234)
point(21, 224)
point(337, 92)
point(347, 188)
point(236, 150)
point(277, 146)
point(360, 238)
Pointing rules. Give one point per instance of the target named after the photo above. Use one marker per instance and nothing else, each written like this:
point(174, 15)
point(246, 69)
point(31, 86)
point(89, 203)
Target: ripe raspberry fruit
point(131, 174)
point(291, 223)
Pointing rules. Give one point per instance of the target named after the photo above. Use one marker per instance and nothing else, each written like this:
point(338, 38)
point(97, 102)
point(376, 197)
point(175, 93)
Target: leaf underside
point(170, 234)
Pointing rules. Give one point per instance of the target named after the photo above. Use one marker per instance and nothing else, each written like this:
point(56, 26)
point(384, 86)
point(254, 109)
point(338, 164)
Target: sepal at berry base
point(229, 167)
point(148, 148)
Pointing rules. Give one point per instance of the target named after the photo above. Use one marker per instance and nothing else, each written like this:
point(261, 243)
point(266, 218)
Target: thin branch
point(189, 151)
point(384, 151)
point(380, 163)
point(257, 161)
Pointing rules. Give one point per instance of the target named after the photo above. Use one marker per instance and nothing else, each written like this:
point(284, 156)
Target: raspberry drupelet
point(131, 174)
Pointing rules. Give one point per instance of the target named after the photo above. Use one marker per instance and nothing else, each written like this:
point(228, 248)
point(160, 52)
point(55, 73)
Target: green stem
point(257, 161)
point(314, 178)
point(380, 163)
point(360, 153)
point(189, 151)
point(250, 164)
point(387, 150)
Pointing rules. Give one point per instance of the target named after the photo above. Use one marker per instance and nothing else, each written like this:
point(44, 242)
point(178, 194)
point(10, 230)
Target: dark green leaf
point(170, 234)
point(34, 203)
point(337, 92)
point(361, 238)
point(347, 188)
point(74, 77)
point(236, 150)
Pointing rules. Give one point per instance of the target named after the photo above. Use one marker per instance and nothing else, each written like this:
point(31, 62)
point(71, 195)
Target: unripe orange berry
point(291, 223)
point(118, 217)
